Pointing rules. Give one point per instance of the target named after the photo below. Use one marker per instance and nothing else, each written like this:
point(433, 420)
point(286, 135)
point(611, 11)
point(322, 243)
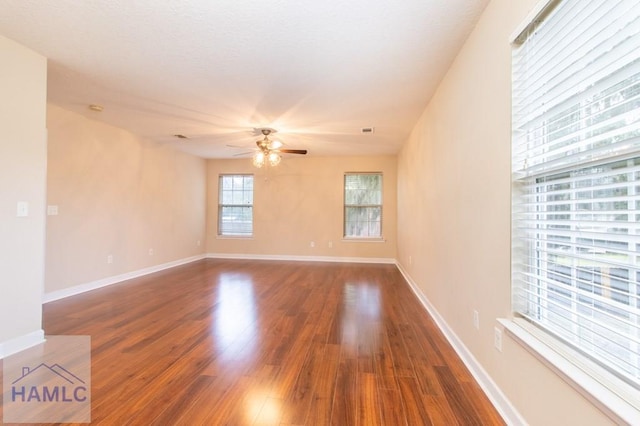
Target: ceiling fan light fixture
point(275, 144)
point(259, 159)
point(268, 152)
point(274, 159)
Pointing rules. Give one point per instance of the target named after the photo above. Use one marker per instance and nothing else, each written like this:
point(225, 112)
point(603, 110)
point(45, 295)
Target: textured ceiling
point(317, 71)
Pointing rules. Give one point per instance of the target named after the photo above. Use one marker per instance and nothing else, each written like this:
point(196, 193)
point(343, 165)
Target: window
point(363, 205)
point(576, 187)
point(235, 205)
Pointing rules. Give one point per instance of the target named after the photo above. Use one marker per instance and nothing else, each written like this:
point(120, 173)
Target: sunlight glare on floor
point(234, 317)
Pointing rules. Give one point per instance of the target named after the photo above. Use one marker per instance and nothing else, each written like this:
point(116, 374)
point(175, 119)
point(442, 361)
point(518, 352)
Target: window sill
point(234, 237)
point(616, 398)
point(363, 240)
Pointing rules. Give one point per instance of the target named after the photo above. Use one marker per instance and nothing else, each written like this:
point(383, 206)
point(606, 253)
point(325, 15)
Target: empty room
point(421, 212)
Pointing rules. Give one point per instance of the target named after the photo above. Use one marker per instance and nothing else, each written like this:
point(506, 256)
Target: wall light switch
point(497, 338)
point(22, 209)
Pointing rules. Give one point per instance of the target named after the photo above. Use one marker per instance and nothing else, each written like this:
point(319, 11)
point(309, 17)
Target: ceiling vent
point(366, 130)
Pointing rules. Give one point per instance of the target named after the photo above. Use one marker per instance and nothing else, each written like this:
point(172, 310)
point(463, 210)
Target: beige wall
point(117, 195)
point(454, 216)
point(301, 201)
point(23, 162)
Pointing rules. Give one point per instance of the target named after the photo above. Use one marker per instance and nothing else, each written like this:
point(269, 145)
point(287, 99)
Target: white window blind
point(576, 187)
point(363, 205)
point(235, 205)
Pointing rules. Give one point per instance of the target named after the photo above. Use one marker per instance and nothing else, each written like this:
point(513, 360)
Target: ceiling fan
point(269, 151)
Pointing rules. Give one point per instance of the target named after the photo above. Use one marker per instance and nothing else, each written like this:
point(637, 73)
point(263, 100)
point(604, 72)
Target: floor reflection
point(260, 409)
point(361, 315)
point(235, 327)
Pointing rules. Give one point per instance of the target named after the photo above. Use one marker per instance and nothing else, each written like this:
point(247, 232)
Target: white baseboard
point(301, 258)
point(82, 288)
point(508, 412)
point(21, 343)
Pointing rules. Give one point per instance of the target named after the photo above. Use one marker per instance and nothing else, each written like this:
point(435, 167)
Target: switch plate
point(497, 338)
point(22, 209)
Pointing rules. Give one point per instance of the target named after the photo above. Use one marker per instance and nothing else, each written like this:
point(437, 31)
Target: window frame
point(612, 394)
point(221, 205)
point(347, 206)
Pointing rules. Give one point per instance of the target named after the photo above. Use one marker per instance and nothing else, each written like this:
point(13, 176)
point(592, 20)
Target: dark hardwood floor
point(234, 342)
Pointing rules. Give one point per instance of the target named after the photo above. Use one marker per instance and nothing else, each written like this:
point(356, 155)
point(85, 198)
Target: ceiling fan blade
point(243, 153)
point(293, 151)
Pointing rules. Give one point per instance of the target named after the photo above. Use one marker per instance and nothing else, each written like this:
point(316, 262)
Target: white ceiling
point(317, 71)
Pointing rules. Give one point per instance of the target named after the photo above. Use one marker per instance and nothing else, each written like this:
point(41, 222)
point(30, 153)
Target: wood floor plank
point(456, 397)
point(324, 390)
point(293, 362)
point(401, 361)
point(224, 341)
point(384, 366)
point(413, 403)
point(368, 401)
point(391, 407)
point(440, 413)
point(345, 406)
point(479, 400)
point(301, 394)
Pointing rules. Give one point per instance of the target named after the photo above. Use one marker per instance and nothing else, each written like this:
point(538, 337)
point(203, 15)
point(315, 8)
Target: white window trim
point(578, 371)
point(234, 237)
point(364, 240)
point(537, 13)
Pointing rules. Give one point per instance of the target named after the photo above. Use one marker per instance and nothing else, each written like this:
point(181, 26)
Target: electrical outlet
point(330, 244)
point(312, 244)
point(110, 258)
point(22, 209)
point(410, 260)
point(497, 338)
point(52, 210)
point(198, 243)
point(151, 252)
point(476, 320)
